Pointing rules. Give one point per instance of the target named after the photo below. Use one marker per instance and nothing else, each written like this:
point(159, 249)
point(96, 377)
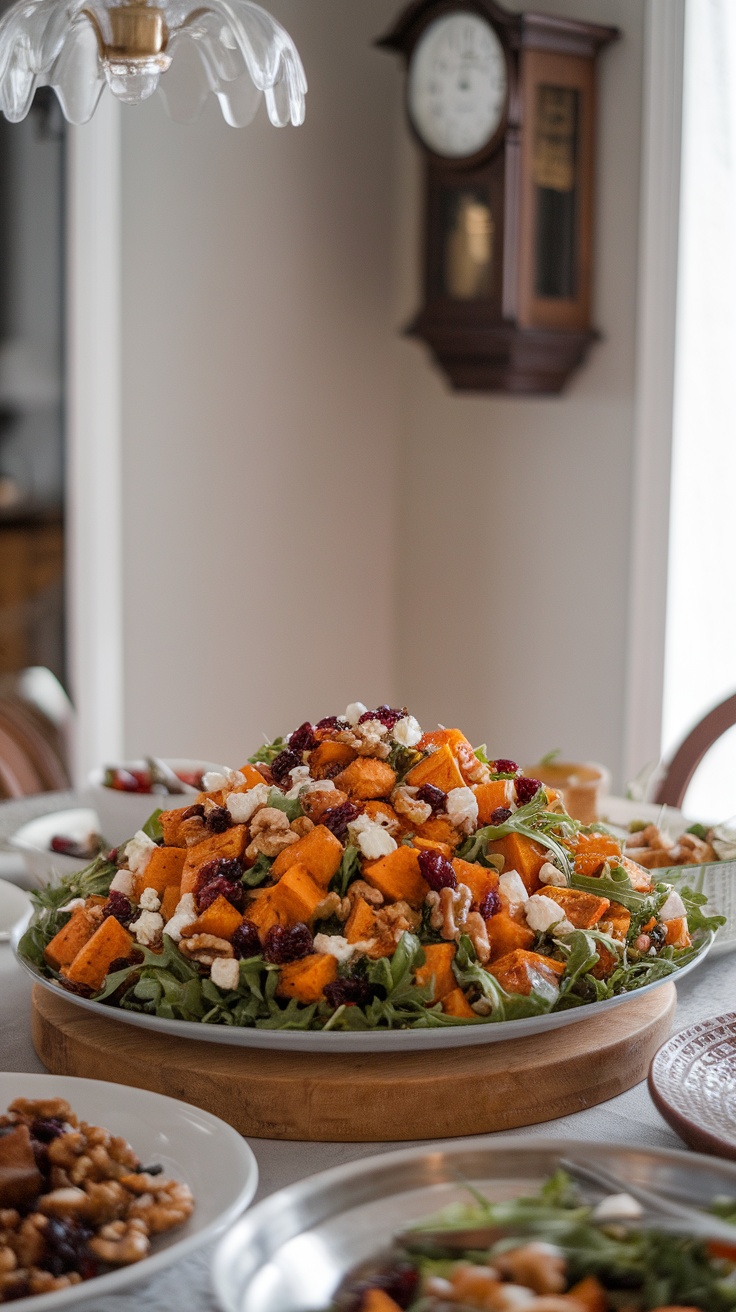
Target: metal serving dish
point(290, 1252)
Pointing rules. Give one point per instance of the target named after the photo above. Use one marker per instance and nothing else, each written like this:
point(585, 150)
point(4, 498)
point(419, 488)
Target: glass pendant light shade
point(231, 48)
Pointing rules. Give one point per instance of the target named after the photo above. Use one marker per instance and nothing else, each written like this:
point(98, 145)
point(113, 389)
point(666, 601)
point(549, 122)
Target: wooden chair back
point(672, 788)
point(33, 739)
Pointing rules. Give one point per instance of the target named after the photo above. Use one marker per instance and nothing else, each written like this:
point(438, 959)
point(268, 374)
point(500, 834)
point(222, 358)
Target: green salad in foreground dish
point(557, 1253)
point(363, 874)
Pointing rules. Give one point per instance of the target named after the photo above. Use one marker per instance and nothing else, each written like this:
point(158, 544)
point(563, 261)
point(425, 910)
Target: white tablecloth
point(630, 1118)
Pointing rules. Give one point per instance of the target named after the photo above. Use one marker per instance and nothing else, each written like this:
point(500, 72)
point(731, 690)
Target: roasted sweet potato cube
point(439, 830)
point(383, 811)
point(522, 854)
point(170, 900)
point(264, 912)
point(434, 845)
point(455, 1003)
point(677, 932)
point(591, 1296)
point(616, 921)
point(606, 963)
point(314, 805)
point(164, 868)
point(441, 737)
point(326, 756)
point(439, 768)
point(253, 778)
point(641, 880)
point(479, 879)
point(306, 979)
point(220, 918)
point(592, 850)
point(92, 962)
point(318, 850)
point(515, 972)
point(377, 1300)
point(230, 843)
point(499, 792)
point(505, 934)
point(397, 876)
point(582, 909)
point(298, 894)
point(171, 826)
point(72, 936)
point(366, 778)
point(437, 968)
point(360, 926)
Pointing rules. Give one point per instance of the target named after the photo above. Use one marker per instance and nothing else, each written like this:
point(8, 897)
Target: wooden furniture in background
point(36, 719)
point(31, 589)
point(367, 1097)
point(680, 770)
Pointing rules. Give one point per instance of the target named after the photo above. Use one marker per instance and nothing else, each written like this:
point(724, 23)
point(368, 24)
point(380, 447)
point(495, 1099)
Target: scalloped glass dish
point(378, 1040)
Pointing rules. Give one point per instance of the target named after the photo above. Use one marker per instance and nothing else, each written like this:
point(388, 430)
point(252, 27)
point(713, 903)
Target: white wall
point(311, 514)
point(259, 414)
point(515, 532)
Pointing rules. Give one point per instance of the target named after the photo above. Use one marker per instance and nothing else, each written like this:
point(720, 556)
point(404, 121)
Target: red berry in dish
point(219, 887)
point(503, 766)
point(218, 819)
point(119, 907)
point(387, 715)
point(338, 818)
point(350, 992)
point(526, 789)
point(436, 869)
point(283, 763)
point(331, 722)
point(284, 945)
point(490, 905)
point(245, 941)
point(500, 815)
point(434, 797)
point(302, 739)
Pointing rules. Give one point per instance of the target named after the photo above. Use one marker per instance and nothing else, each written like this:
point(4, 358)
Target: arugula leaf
point(617, 886)
point(482, 754)
point(532, 821)
point(349, 870)
point(694, 902)
point(290, 805)
point(152, 827)
point(403, 759)
point(504, 1006)
point(268, 752)
point(258, 872)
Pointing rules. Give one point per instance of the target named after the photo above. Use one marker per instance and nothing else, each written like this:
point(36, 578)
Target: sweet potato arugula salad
point(551, 1252)
point(362, 874)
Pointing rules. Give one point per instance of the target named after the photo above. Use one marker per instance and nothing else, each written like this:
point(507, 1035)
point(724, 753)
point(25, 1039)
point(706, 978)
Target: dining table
point(629, 1118)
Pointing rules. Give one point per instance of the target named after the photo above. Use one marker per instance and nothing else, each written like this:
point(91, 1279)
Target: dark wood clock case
point(526, 326)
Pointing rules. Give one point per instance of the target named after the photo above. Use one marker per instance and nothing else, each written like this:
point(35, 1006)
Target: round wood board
point(364, 1097)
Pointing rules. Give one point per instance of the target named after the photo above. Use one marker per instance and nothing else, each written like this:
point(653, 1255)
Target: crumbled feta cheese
point(371, 837)
point(139, 852)
point(243, 805)
point(618, 1207)
point(334, 945)
point(320, 786)
point(673, 908)
point(542, 913)
point(549, 874)
point(462, 809)
point(215, 780)
point(225, 973)
point(513, 1297)
point(184, 915)
point(147, 928)
point(74, 905)
point(150, 900)
point(353, 713)
point(299, 778)
point(512, 889)
point(407, 731)
point(123, 883)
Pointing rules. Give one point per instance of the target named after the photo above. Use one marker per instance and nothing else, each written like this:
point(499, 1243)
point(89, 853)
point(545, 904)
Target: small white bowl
point(123, 814)
point(33, 841)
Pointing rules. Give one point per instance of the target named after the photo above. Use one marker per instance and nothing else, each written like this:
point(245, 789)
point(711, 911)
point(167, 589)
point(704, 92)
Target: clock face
point(458, 83)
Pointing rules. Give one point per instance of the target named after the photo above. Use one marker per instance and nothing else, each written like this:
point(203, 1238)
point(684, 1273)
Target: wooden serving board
point(366, 1097)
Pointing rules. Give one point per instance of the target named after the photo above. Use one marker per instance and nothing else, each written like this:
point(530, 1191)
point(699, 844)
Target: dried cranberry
point(502, 766)
point(302, 739)
point(284, 945)
point(331, 722)
point(66, 1249)
point(219, 887)
point(526, 789)
point(338, 818)
point(283, 763)
point(245, 941)
point(218, 819)
point(500, 815)
point(220, 867)
point(351, 992)
point(112, 856)
point(658, 936)
point(46, 1129)
point(120, 963)
point(190, 812)
point(490, 905)
point(436, 869)
point(434, 797)
point(387, 715)
point(120, 908)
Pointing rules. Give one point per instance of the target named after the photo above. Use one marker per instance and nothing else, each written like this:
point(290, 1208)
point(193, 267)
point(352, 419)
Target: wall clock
point(502, 107)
